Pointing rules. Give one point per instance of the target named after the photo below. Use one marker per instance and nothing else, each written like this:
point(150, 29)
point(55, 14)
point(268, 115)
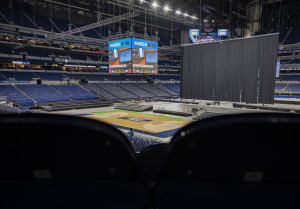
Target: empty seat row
point(137, 91)
point(75, 92)
point(173, 87)
point(165, 89)
point(98, 90)
point(43, 93)
point(56, 76)
point(27, 94)
point(12, 94)
point(293, 87)
point(119, 92)
point(59, 161)
point(154, 89)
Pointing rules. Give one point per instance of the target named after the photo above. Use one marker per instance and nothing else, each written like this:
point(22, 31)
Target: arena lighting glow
point(166, 8)
point(178, 12)
point(154, 4)
point(185, 14)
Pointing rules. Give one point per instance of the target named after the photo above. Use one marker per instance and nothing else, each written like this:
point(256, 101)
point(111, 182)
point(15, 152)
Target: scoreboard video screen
point(207, 36)
point(120, 56)
point(144, 56)
point(133, 56)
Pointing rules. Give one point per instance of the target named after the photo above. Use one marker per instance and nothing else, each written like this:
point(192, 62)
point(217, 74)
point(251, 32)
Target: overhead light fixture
point(166, 8)
point(154, 4)
point(178, 12)
point(185, 14)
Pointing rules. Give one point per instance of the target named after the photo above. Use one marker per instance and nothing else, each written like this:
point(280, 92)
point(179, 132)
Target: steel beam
point(94, 25)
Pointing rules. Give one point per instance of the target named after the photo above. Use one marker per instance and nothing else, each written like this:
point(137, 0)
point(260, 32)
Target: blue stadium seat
point(75, 92)
point(118, 92)
point(154, 89)
point(51, 76)
point(14, 95)
point(173, 87)
point(43, 93)
point(98, 90)
point(293, 37)
point(290, 78)
point(136, 91)
point(20, 76)
point(293, 87)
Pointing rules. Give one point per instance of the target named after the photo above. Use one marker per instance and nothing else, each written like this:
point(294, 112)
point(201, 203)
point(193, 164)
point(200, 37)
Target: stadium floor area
point(150, 124)
point(155, 126)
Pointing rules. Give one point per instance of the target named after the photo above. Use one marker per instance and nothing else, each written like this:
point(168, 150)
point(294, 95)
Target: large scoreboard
point(207, 35)
point(133, 56)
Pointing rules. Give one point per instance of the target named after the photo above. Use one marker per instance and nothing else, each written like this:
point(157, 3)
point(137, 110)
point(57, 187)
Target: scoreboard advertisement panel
point(144, 56)
point(133, 56)
point(120, 56)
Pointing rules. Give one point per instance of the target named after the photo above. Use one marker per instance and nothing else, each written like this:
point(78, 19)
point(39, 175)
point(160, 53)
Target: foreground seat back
point(151, 158)
point(56, 161)
point(233, 161)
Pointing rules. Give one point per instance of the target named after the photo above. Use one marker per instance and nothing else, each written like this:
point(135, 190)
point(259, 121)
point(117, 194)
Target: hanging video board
point(206, 36)
point(144, 56)
point(133, 56)
point(120, 56)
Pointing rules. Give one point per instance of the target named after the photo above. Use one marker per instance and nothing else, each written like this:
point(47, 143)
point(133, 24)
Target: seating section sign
point(133, 56)
point(222, 32)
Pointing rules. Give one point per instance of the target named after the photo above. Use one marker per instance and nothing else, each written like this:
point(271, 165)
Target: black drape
point(250, 70)
point(195, 75)
point(229, 70)
point(208, 68)
point(221, 70)
point(267, 66)
point(234, 73)
point(185, 88)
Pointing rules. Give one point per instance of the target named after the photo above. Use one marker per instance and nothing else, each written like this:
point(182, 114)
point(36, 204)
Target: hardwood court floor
point(154, 125)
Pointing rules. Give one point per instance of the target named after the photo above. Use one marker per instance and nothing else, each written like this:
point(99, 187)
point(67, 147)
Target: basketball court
point(155, 125)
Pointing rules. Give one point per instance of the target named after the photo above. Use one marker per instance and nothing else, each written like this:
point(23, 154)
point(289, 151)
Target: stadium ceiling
point(220, 11)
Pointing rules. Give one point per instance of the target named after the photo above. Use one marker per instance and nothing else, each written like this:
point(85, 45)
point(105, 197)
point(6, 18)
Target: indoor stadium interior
point(149, 104)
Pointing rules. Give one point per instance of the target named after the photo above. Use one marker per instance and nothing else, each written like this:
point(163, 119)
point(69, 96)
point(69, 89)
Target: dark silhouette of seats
point(58, 161)
point(232, 161)
point(151, 158)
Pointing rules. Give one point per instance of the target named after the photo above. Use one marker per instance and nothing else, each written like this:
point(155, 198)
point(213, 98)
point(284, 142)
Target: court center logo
point(134, 119)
